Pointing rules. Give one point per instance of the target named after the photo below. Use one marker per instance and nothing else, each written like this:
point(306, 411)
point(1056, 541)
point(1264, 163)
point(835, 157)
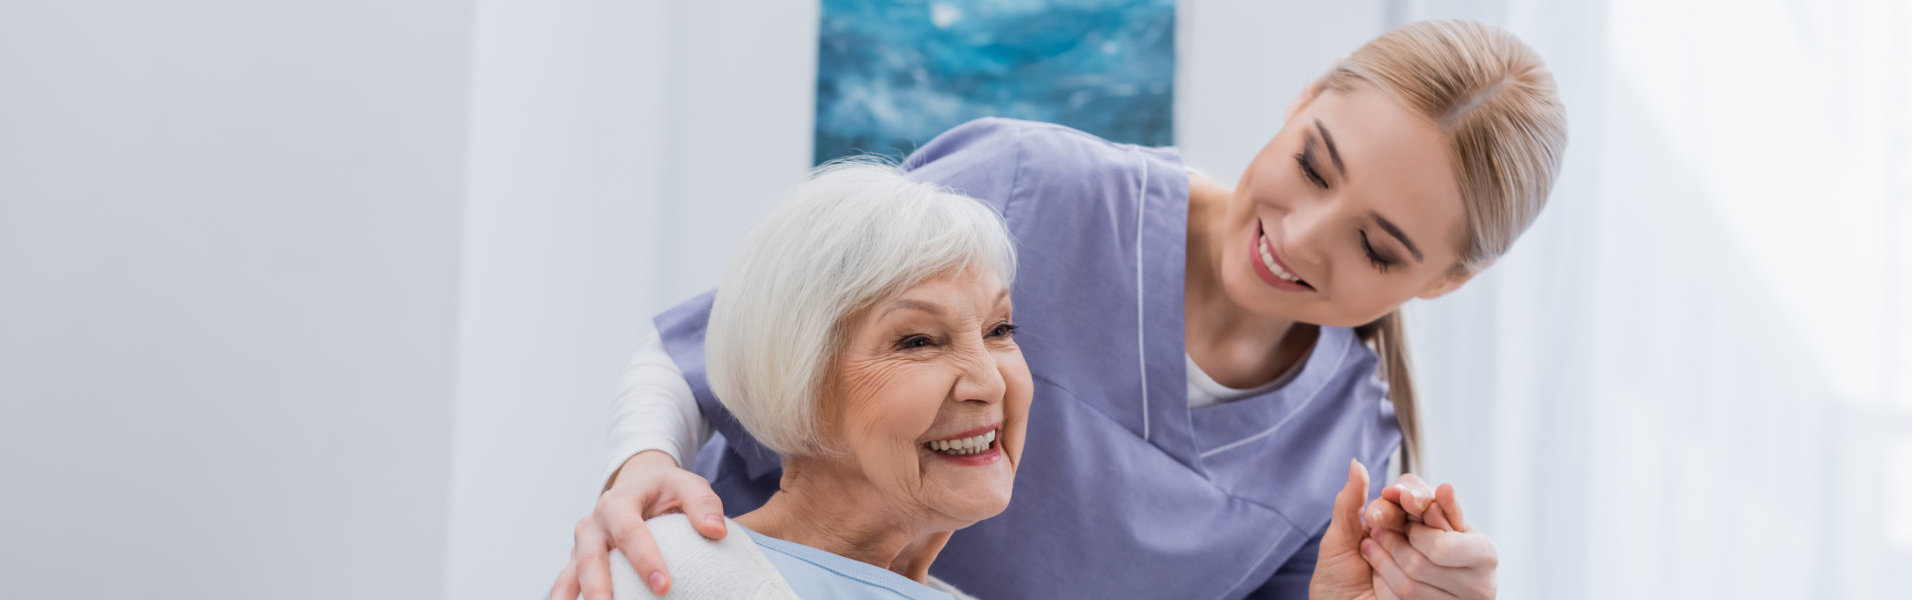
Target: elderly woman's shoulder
point(728, 568)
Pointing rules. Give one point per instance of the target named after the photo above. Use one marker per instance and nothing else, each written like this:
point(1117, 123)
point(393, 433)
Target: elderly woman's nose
point(981, 380)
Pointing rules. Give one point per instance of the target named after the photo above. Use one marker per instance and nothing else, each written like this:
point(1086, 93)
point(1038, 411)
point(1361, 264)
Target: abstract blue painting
point(895, 73)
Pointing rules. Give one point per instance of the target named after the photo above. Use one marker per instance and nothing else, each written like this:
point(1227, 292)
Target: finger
point(1386, 514)
point(1418, 567)
point(1388, 494)
point(1436, 519)
point(1347, 526)
point(631, 536)
point(1396, 581)
point(704, 510)
point(1413, 494)
point(1449, 504)
point(589, 564)
point(1429, 515)
point(596, 582)
point(1380, 589)
point(1454, 549)
point(567, 587)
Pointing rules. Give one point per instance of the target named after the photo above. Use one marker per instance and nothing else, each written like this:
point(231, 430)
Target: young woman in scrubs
point(1213, 366)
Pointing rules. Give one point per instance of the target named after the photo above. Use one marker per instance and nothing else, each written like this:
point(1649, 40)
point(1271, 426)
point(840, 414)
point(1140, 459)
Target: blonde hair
point(1499, 109)
point(857, 233)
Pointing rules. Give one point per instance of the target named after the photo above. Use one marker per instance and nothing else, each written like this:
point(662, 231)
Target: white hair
point(857, 233)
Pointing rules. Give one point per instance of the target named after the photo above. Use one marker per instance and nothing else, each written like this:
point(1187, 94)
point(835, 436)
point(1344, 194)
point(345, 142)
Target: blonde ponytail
point(1388, 338)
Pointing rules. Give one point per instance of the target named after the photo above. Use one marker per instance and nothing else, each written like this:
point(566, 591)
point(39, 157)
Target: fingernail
point(1380, 535)
point(657, 581)
point(715, 520)
point(1366, 548)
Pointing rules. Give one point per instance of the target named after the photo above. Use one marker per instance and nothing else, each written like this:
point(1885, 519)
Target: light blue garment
point(1124, 490)
point(815, 573)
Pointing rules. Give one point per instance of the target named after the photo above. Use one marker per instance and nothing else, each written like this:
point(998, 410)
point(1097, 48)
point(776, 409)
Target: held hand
point(1342, 573)
point(1421, 546)
point(648, 485)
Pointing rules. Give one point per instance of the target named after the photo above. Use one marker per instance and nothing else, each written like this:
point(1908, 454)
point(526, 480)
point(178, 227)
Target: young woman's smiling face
point(929, 400)
point(1351, 210)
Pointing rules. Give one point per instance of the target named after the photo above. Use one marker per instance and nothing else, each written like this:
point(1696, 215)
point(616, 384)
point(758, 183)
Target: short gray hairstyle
point(857, 233)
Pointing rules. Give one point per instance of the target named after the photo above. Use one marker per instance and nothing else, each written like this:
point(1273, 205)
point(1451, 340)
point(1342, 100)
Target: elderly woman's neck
point(845, 518)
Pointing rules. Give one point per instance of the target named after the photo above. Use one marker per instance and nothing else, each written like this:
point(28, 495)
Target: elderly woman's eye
point(918, 340)
point(1003, 330)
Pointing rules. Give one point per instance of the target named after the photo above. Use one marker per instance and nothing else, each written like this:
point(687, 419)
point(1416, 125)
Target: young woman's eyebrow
point(1394, 230)
point(1332, 152)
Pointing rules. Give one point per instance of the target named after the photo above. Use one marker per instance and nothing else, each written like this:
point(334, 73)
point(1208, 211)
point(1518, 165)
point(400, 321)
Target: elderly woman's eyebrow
point(934, 309)
point(914, 305)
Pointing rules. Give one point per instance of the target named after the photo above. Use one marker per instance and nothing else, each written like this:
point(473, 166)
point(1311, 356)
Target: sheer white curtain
point(1691, 378)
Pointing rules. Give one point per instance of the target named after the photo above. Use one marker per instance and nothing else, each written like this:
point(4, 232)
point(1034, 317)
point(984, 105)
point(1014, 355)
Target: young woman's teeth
point(1273, 266)
point(963, 446)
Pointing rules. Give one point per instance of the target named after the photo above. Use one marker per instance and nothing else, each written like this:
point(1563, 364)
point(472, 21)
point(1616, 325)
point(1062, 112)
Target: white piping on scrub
point(1140, 295)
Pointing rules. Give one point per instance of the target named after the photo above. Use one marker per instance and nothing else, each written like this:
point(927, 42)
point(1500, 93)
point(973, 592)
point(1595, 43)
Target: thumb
point(1342, 572)
point(1346, 529)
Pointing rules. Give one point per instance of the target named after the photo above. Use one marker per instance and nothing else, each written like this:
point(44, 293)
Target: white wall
point(1703, 331)
point(560, 245)
point(1242, 63)
point(228, 242)
point(619, 151)
point(741, 112)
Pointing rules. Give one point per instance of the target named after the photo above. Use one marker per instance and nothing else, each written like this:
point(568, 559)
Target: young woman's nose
point(1308, 228)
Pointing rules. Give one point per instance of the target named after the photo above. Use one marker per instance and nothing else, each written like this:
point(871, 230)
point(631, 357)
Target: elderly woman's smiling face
point(929, 398)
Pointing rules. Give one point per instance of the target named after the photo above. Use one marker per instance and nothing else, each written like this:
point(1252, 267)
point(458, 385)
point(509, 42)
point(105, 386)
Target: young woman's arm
point(655, 410)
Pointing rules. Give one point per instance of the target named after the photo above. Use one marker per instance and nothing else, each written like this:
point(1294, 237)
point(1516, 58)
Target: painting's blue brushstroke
point(893, 74)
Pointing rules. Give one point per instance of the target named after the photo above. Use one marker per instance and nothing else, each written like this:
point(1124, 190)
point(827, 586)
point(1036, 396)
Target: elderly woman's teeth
point(964, 446)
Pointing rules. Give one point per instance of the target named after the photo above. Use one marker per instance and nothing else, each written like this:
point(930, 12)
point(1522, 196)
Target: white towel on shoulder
point(702, 569)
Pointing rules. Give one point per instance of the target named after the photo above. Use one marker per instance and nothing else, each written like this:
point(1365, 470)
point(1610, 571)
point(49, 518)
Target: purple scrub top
point(1124, 491)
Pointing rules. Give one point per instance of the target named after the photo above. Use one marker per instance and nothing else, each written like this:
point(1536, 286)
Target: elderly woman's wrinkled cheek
point(883, 406)
point(862, 378)
point(1019, 402)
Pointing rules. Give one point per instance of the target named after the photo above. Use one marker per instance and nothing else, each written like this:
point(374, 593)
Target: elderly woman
point(865, 334)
